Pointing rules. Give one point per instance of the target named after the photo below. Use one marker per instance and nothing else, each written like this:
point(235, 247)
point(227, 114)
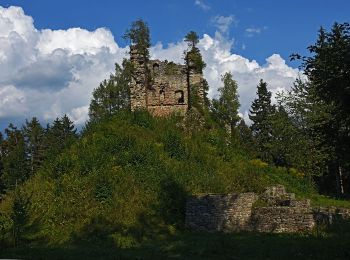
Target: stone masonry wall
point(280, 212)
point(163, 87)
point(219, 212)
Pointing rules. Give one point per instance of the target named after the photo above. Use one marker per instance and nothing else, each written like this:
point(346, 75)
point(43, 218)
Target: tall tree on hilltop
point(113, 94)
point(195, 64)
point(193, 56)
point(260, 113)
point(139, 35)
point(192, 39)
point(226, 107)
point(328, 69)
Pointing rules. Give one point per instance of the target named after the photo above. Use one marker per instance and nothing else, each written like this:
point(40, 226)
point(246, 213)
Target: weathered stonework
point(229, 212)
point(280, 212)
point(162, 87)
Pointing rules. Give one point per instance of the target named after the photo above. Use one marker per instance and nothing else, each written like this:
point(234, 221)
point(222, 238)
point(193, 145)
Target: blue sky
point(285, 26)
point(50, 67)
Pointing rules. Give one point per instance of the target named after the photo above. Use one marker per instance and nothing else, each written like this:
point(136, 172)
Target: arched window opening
point(179, 96)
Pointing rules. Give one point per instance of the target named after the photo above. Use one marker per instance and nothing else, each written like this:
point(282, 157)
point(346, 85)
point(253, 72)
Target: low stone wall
point(280, 212)
point(213, 212)
point(327, 215)
point(282, 219)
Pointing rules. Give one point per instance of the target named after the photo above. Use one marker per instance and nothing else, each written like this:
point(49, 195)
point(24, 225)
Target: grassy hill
point(123, 186)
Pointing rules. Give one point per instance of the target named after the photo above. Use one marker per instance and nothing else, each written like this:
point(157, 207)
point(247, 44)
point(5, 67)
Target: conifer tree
point(260, 113)
point(15, 166)
point(328, 69)
point(193, 56)
point(139, 35)
point(61, 134)
point(33, 134)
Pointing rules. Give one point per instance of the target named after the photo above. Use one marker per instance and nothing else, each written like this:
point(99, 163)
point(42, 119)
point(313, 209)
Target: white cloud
point(202, 5)
point(251, 31)
point(223, 23)
point(48, 73)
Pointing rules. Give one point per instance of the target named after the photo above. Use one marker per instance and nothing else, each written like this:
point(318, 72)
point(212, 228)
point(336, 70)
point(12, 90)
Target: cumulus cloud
point(48, 73)
point(202, 5)
point(223, 23)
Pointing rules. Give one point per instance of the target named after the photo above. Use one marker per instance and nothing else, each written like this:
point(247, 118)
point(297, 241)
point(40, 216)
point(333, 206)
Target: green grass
point(204, 246)
point(318, 200)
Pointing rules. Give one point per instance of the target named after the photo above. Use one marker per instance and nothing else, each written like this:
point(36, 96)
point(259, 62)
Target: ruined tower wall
point(168, 92)
point(163, 87)
point(138, 80)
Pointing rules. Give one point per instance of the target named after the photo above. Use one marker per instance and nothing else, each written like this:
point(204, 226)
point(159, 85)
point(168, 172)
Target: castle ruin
point(163, 87)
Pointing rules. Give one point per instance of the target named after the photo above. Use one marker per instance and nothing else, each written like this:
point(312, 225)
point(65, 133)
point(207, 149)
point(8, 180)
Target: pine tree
point(246, 138)
point(33, 134)
point(226, 107)
point(193, 56)
point(192, 39)
point(139, 36)
point(60, 135)
point(15, 167)
point(260, 114)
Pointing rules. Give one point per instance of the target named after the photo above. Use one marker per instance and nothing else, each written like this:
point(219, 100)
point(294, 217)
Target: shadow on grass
point(331, 243)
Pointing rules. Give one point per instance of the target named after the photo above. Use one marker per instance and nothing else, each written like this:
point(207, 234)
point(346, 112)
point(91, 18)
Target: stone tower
point(138, 80)
point(163, 87)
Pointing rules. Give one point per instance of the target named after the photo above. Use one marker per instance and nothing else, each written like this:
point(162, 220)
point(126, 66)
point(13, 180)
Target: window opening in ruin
point(155, 67)
point(179, 95)
point(161, 94)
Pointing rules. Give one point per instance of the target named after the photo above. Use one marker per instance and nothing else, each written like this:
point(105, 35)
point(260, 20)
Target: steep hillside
point(127, 179)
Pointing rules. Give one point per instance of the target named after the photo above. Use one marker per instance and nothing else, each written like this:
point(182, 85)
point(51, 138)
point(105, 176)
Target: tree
point(260, 113)
point(113, 94)
point(305, 113)
point(328, 69)
point(2, 186)
point(226, 107)
point(193, 56)
point(246, 138)
point(15, 167)
point(60, 135)
point(192, 39)
point(33, 134)
point(139, 36)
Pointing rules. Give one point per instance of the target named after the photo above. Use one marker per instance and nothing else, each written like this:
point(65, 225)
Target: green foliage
point(171, 68)
point(139, 35)
point(14, 158)
point(192, 39)
point(194, 60)
point(328, 70)
point(225, 108)
point(113, 94)
point(135, 172)
point(19, 216)
point(260, 113)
